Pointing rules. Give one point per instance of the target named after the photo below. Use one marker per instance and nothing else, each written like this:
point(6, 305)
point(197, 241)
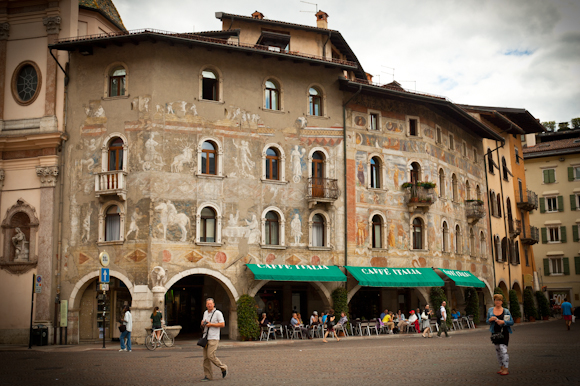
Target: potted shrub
point(515, 309)
point(248, 326)
point(340, 304)
point(472, 304)
point(530, 311)
point(498, 290)
point(543, 305)
point(406, 185)
point(428, 185)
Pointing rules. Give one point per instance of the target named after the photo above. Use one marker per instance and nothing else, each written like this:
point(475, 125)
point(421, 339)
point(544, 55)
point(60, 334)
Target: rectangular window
point(553, 234)
point(438, 139)
point(577, 173)
point(526, 256)
point(413, 127)
point(451, 142)
point(551, 204)
point(556, 265)
point(475, 155)
point(523, 138)
point(549, 176)
point(374, 122)
point(464, 149)
point(517, 155)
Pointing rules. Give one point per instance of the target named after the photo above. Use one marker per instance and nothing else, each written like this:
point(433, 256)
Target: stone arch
point(518, 288)
point(317, 284)
point(227, 283)
point(81, 285)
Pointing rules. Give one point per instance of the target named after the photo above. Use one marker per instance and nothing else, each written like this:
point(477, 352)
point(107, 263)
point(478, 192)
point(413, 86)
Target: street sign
point(63, 313)
point(103, 287)
point(38, 284)
point(104, 258)
point(104, 278)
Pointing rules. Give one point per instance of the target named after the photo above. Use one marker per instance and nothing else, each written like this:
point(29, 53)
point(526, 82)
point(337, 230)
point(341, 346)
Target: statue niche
point(19, 228)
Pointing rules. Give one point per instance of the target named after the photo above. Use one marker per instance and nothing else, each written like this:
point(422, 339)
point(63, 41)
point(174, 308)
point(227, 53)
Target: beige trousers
point(209, 358)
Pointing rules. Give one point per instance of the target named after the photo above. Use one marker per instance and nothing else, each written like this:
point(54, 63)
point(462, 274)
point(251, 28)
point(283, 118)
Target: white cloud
point(518, 53)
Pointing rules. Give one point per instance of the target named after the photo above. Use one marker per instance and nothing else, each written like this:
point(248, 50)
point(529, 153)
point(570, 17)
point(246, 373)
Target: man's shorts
point(568, 318)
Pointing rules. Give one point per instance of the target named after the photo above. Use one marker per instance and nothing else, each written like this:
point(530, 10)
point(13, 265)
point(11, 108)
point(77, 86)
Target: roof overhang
point(439, 105)
point(520, 117)
point(551, 153)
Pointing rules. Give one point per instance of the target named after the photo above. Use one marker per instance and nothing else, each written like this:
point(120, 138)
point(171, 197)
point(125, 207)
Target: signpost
point(104, 259)
point(38, 284)
point(104, 278)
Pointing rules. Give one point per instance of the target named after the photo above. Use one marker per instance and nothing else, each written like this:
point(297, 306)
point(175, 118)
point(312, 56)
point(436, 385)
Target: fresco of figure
point(296, 228)
point(296, 156)
point(136, 216)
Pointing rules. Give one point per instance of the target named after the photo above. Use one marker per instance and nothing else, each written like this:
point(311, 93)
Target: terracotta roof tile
point(569, 143)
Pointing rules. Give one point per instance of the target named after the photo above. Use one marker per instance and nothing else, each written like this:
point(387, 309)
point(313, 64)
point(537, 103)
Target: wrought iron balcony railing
point(530, 235)
point(527, 200)
point(322, 190)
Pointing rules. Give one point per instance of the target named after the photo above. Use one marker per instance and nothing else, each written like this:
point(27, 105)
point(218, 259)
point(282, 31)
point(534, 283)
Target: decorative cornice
point(4, 31)
point(52, 24)
point(48, 176)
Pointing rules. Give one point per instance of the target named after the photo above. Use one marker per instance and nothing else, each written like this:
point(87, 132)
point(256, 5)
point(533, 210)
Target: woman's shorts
point(156, 327)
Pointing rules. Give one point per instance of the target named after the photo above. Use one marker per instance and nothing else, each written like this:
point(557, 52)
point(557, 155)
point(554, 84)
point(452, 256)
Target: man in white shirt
point(128, 323)
point(443, 321)
point(211, 323)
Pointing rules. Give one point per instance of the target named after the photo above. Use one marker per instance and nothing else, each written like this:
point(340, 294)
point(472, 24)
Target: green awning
point(463, 278)
point(396, 277)
point(296, 272)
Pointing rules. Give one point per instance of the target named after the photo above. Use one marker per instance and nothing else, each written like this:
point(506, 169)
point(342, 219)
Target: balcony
point(515, 228)
point(322, 190)
point(530, 235)
point(527, 200)
point(419, 196)
point(474, 211)
point(113, 182)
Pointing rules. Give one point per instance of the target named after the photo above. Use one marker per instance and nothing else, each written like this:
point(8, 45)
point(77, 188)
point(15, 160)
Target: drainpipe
point(345, 178)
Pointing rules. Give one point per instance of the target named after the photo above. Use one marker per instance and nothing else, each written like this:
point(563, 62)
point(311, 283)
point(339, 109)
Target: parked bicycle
point(152, 342)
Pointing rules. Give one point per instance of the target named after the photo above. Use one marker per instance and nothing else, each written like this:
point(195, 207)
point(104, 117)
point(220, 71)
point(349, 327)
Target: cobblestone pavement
point(540, 354)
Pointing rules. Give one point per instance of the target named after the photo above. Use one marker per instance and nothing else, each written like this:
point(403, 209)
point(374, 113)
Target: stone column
point(159, 299)
point(4, 34)
point(44, 301)
point(52, 24)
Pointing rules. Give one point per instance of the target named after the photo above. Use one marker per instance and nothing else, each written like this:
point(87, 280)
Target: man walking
point(567, 312)
point(442, 320)
point(212, 321)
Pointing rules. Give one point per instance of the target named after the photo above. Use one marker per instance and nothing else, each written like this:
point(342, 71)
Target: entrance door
point(87, 315)
point(318, 174)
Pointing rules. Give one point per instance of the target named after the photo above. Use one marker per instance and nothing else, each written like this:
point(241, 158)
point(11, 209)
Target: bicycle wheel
point(149, 343)
point(168, 339)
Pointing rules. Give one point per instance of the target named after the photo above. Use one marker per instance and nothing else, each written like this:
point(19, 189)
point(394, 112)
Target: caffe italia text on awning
point(284, 266)
point(390, 271)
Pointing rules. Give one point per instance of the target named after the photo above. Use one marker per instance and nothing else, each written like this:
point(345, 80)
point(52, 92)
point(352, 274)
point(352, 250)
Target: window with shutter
point(544, 235)
point(577, 264)
point(563, 234)
point(546, 267)
point(575, 236)
point(542, 205)
point(560, 203)
point(549, 176)
point(566, 262)
point(570, 173)
point(573, 202)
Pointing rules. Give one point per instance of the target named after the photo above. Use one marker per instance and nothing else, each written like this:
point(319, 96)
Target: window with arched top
point(493, 203)
point(315, 101)
point(458, 244)
point(504, 168)
point(497, 245)
point(438, 138)
point(490, 162)
point(112, 223)
point(318, 231)
point(272, 164)
point(207, 231)
point(415, 172)
point(209, 85)
point(272, 95)
point(445, 233)
point(478, 192)
point(471, 242)
point(117, 81)
point(208, 158)
point(517, 253)
point(377, 231)
point(441, 183)
point(455, 188)
point(375, 171)
point(468, 190)
point(318, 174)
point(482, 244)
point(115, 159)
point(417, 233)
point(504, 249)
point(498, 199)
point(272, 229)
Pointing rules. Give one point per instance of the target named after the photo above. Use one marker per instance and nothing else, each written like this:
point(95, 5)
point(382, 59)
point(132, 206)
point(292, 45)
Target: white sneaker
point(123, 349)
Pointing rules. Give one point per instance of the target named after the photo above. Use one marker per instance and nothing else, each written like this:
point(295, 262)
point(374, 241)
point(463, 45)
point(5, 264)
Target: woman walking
point(330, 326)
point(500, 321)
point(156, 324)
point(425, 323)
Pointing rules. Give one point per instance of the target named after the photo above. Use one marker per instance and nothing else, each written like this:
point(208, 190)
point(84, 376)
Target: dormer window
point(275, 40)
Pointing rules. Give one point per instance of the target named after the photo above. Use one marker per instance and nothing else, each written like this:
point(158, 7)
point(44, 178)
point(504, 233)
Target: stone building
point(32, 130)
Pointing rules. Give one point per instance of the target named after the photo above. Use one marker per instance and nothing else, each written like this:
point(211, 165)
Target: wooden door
point(317, 175)
point(87, 316)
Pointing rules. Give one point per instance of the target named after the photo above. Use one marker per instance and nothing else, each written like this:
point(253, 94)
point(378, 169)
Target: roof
point(546, 149)
point(105, 8)
point(335, 36)
point(519, 117)
point(438, 104)
point(86, 43)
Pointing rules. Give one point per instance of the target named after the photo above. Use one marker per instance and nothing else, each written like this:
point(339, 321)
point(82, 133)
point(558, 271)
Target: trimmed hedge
point(515, 309)
point(248, 326)
point(529, 305)
point(340, 302)
point(543, 304)
point(472, 304)
point(437, 296)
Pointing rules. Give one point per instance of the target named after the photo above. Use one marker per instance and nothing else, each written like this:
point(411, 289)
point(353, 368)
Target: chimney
point(258, 15)
point(321, 19)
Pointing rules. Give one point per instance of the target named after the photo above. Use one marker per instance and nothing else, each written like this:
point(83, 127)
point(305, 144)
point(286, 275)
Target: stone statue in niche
point(158, 276)
point(20, 246)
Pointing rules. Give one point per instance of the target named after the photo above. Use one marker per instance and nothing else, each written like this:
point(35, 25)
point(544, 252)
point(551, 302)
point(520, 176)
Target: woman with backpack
point(500, 321)
point(156, 323)
point(330, 322)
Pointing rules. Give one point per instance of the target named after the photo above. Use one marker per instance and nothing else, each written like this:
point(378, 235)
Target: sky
point(516, 53)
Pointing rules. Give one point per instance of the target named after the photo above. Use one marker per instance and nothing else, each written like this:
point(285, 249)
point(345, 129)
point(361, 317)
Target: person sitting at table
point(343, 320)
point(314, 319)
point(383, 314)
point(455, 314)
point(400, 316)
point(299, 326)
point(388, 320)
point(299, 318)
point(322, 318)
point(402, 322)
point(265, 324)
point(413, 320)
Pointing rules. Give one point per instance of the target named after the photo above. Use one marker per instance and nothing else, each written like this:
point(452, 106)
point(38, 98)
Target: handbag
point(122, 328)
point(424, 317)
point(202, 342)
point(497, 338)
point(330, 323)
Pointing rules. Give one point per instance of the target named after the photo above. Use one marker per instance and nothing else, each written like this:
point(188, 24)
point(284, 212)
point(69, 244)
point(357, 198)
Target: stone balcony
point(515, 228)
point(474, 211)
point(322, 190)
point(527, 200)
point(419, 197)
point(111, 183)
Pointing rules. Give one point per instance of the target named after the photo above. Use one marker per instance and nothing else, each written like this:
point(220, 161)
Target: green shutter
point(560, 203)
point(575, 235)
point(563, 234)
point(546, 267)
point(542, 204)
point(552, 176)
point(573, 202)
point(566, 262)
point(570, 173)
point(577, 264)
point(546, 176)
point(544, 236)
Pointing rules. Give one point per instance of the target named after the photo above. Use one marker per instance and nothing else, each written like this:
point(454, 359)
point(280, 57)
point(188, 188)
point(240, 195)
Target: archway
point(516, 287)
point(370, 302)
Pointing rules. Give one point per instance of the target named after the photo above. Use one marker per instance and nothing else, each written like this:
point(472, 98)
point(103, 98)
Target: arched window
point(315, 101)
point(377, 231)
point(458, 244)
point(318, 231)
point(504, 168)
point(509, 209)
point(318, 174)
point(417, 233)
point(415, 172)
point(375, 168)
point(208, 158)
point(492, 203)
point(441, 183)
point(455, 188)
point(468, 190)
point(497, 243)
point(117, 81)
point(272, 164)
point(490, 162)
point(207, 231)
point(209, 85)
point(504, 249)
point(498, 199)
point(471, 242)
point(272, 229)
point(517, 253)
point(478, 192)
point(445, 237)
point(272, 95)
point(113, 223)
point(115, 159)
point(482, 244)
